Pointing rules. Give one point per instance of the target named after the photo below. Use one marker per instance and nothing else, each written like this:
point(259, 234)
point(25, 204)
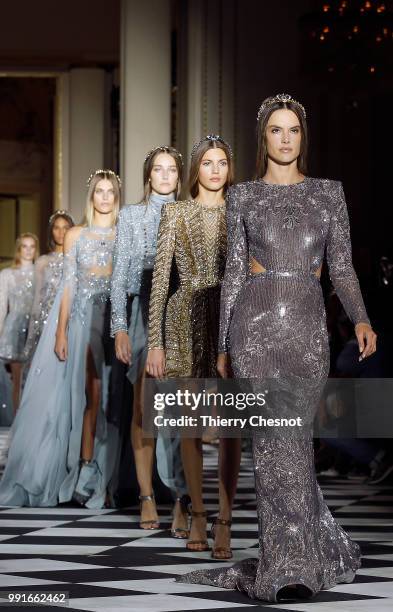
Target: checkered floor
point(106, 563)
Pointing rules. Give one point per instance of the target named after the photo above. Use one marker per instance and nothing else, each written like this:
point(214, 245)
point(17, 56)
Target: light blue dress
point(16, 299)
point(134, 256)
point(43, 461)
point(48, 272)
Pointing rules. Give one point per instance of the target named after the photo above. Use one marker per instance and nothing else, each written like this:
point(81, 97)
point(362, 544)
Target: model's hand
point(155, 363)
point(367, 340)
point(123, 347)
point(224, 365)
point(61, 346)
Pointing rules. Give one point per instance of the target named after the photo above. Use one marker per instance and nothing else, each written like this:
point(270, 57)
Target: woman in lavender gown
point(272, 326)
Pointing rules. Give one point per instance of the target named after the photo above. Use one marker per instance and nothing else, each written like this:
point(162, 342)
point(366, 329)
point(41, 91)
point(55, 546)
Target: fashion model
point(62, 447)
point(192, 235)
point(48, 272)
point(272, 326)
point(134, 256)
point(16, 300)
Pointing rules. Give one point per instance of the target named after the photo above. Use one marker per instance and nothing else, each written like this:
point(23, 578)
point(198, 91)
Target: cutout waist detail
point(257, 269)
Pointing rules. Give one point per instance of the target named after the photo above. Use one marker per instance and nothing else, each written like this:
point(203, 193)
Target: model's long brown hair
point(196, 160)
point(262, 156)
point(18, 247)
point(59, 214)
point(148, 167)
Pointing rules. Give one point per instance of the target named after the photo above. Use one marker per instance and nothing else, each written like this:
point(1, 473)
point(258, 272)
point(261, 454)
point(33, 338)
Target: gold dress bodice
point(194, 237)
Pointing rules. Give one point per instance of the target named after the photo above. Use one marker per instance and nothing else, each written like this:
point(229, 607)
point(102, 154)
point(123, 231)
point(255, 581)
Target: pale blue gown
point(43, 465)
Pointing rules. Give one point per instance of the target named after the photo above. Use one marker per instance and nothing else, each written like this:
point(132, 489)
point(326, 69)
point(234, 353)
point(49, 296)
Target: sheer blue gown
point(43, 465)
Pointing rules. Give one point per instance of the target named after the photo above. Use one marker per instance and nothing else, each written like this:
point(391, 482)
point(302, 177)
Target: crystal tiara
point(279, 98)
point(212, 137)
point(164, 149)
point(103, 171)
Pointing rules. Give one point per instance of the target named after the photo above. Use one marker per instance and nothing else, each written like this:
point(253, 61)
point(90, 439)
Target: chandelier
point(349, 37)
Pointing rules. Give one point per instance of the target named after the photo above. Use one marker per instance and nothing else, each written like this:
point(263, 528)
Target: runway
point(105, 562)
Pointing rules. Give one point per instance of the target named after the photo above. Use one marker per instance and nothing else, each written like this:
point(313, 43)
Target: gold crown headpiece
point(61, 213)
point(164, 149)
point(103, 171)
point(213, 137)
point(279, 98)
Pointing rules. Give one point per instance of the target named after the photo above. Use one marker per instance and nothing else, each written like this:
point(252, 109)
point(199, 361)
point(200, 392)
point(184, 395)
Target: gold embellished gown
point(192, 237)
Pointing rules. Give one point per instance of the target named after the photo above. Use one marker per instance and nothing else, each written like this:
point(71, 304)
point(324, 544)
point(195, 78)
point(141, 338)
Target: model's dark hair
point(262, 156)
point(57, 215)
point(148, 167)
point(196, 160)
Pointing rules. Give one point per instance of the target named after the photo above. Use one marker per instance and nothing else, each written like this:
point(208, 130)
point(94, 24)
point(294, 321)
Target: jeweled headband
point(164, 149)
point(61, 213)
point(101, 171)
point(212, 137)
point(279, 98)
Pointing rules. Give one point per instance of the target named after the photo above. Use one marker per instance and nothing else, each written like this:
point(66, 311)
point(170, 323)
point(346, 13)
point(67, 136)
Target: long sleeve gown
point(273, 324)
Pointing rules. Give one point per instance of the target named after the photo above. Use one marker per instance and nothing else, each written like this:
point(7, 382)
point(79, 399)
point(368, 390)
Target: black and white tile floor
point(106, 563)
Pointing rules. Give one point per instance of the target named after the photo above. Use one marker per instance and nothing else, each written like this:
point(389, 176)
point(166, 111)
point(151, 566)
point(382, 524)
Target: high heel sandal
point(220, 552)
point(204, 544)
point(152, 523)
point(184, 502)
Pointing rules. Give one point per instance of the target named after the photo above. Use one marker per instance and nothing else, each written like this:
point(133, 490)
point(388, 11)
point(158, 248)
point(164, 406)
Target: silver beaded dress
point(16, 300)
point(273, 324)
point(43, 461)
point(134, 257)
point(48, 272)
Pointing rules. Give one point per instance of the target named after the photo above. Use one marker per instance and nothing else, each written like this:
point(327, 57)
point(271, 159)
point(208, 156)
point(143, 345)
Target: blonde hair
point(18, 248)
point(95, 179)
point(148, 167)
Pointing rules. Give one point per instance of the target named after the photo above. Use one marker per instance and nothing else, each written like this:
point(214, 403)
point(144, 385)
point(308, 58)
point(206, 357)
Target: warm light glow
point(326, 7)
point(378, 39)
point(355, 29)
point(326, 29)
point(322, 37)
point(367, 5)
point(372, 69)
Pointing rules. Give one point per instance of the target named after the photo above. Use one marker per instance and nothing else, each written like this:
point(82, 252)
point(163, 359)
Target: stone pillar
point(145, 82)
point(81, 131)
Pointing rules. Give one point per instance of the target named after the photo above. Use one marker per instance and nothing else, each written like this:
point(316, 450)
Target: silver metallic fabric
point(135, 250)
point(274, 325)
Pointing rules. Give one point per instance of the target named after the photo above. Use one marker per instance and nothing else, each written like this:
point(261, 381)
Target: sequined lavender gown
point(273, 325)
point(43, 460)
